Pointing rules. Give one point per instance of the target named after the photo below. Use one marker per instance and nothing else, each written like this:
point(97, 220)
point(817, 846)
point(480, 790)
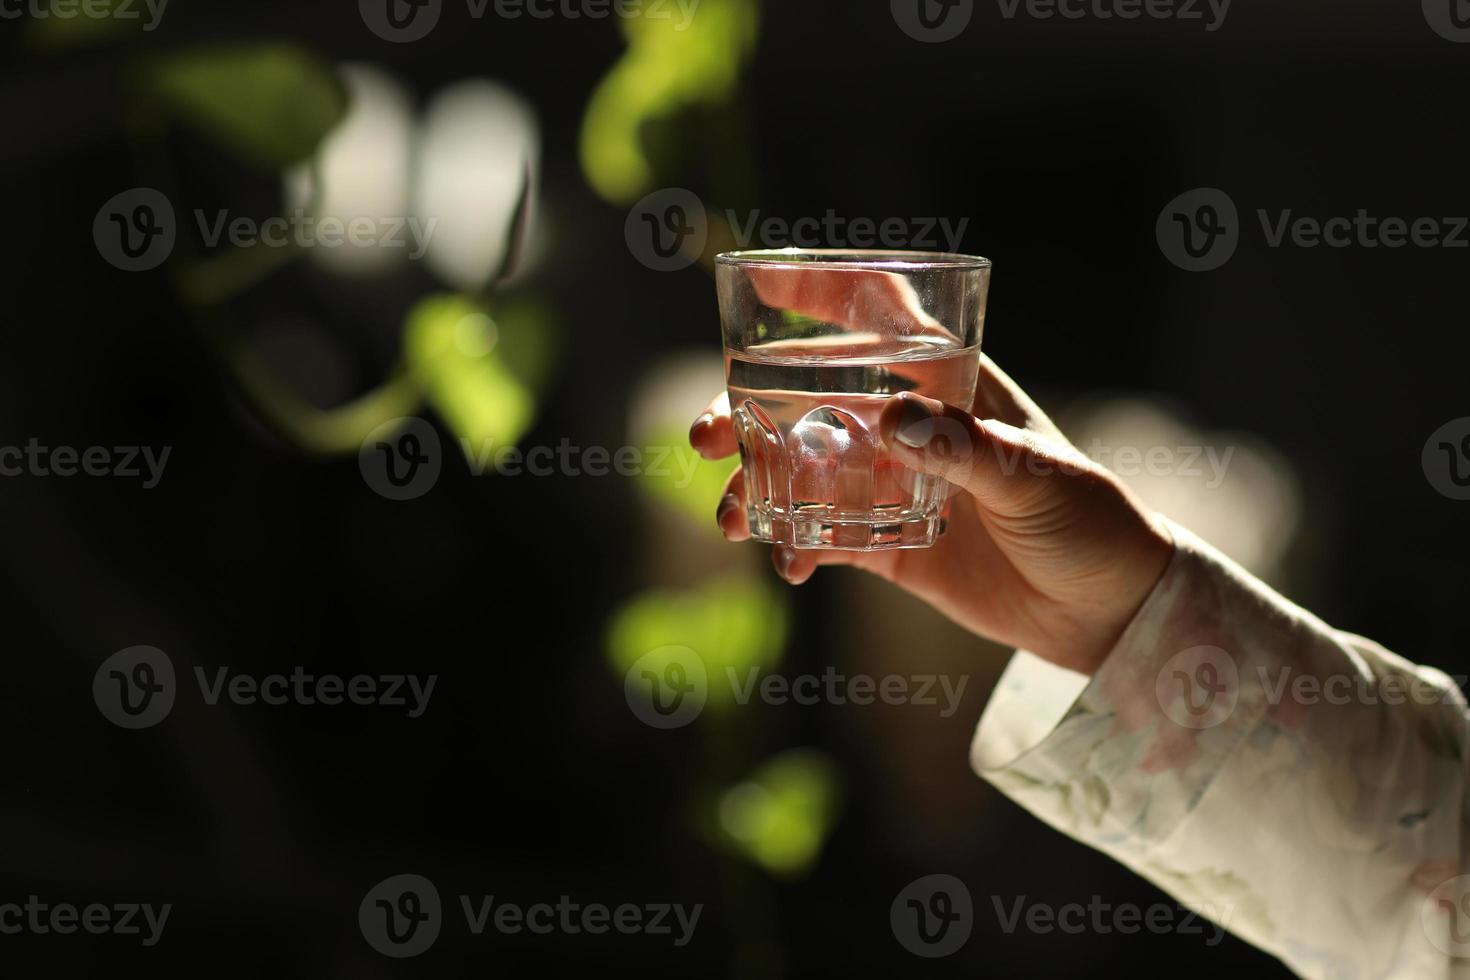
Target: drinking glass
point(816, 341)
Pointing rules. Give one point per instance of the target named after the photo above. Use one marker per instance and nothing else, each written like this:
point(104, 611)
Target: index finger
point(713, 434)
point(856, 299)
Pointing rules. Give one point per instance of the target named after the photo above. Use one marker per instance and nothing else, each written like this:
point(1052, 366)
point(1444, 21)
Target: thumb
point(1012, 472)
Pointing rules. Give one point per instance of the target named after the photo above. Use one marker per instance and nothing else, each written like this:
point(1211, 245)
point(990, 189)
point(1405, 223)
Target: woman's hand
point(1045, 549)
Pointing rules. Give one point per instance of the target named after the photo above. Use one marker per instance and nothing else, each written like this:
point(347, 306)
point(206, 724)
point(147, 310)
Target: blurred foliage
point(781, 815)
point(528, 340)
point(697, 498)
point(269, 104)
point(56, 31)
point(272, 106)
point(450, 347)
point(733, 622)
point(335, 431)
point(479, 360)
point(669, 65)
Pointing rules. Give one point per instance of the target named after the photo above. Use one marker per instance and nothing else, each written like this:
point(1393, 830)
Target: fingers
point(730, 515)
point(713, 434)
point(857, 299)
point(796, 565)
point(1009, 470)
point(792, 564)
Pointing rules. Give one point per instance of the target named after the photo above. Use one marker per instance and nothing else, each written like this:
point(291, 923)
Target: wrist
point(1141, 564)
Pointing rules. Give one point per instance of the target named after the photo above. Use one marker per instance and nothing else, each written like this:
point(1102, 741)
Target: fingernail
point(699, 424)
point(783, 556)
point(729, 505)
point(915, 425)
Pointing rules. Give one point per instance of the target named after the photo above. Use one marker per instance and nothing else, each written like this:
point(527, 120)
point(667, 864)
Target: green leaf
point(106, 19)
point(672, 63)
point(687, 480)
point(449, 344)
point(269, 104)
point(780, 816)
point(528, 341)
point(734, 622)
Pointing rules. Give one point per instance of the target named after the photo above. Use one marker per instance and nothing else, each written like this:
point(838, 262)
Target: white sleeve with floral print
point(1301, 786)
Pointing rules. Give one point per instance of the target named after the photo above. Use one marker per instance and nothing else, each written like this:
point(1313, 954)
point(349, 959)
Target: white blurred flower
point(1231, 488)
point(363, 169)
point(478, 139)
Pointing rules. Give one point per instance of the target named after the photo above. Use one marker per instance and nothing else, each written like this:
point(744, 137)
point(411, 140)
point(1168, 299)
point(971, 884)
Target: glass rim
point(852, 258)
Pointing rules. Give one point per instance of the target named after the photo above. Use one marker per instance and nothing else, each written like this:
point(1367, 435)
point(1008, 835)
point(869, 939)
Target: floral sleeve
point(1301, 786)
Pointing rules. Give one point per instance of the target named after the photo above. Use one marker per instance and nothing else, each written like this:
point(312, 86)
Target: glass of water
point(816, 341)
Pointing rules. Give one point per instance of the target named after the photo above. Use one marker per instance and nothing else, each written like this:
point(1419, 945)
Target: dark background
point(528, 777)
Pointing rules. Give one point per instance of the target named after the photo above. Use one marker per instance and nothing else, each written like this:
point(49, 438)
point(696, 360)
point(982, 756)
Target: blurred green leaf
point(781, 815)
point(102, 23)
point(671, 63)
point(688, 481)
point(270, 104)
point(528, 339)
point(450, 346)
point(335, 431)
point(733, 623)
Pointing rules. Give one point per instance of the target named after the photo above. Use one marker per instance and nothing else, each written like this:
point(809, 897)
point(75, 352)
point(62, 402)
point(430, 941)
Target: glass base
point(831, 534)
